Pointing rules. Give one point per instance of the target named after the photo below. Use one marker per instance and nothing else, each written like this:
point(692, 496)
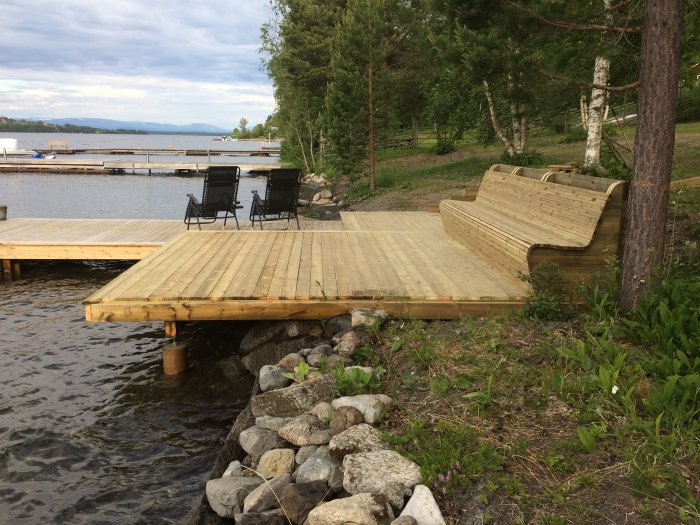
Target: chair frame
point(206, 211)
point(270, 209)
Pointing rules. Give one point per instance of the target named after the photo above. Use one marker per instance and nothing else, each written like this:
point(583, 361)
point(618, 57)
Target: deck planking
point(107, 239)
point(218, 275)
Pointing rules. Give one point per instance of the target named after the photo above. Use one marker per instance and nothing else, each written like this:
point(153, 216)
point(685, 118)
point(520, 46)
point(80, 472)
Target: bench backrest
point(556, 207)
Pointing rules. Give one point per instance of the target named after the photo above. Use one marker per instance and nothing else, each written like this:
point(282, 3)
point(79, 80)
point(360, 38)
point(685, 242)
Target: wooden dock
point(162, 151)
point(410, 271)
point(402, 262)
point(99, 167)
point(106, 239)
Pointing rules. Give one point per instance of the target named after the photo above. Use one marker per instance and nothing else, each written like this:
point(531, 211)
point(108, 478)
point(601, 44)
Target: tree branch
point(612, 89)
point(562, 24)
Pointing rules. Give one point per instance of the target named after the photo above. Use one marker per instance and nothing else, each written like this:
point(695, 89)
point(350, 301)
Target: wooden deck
point(404, 264)
point(105, 239)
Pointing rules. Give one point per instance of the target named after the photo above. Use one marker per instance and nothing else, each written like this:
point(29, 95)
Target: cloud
point(172, 61)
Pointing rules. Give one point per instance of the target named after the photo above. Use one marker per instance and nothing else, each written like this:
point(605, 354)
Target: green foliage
point(354, 380)
point(300, 372)
point(443, 146)
point(527, 158)
point(450, 455)
point(575, 134)
point(549, 296)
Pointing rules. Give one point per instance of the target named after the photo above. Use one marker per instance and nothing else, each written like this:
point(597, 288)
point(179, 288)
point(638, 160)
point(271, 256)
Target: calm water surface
point(91, 431)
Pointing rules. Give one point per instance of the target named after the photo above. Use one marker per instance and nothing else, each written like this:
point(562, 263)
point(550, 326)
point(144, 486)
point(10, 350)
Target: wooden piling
point(171, 329)
point(7, 269)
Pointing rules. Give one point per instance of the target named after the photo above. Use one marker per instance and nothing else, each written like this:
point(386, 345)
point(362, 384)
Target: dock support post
point(16, 274)
point(171, 329)
point(174, 358)
point(7, 269)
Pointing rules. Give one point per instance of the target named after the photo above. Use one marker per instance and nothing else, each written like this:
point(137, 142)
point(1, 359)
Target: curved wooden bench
point(520, 222)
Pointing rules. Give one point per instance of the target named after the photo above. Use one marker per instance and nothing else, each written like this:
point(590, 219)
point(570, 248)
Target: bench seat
point(519, 222)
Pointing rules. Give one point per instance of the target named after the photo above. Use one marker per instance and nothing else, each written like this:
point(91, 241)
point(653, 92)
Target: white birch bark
point(597, 109)
point(494, 121)
point(596, 113)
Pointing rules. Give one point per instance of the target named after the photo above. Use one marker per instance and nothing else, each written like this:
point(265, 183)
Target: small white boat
point(8, 149)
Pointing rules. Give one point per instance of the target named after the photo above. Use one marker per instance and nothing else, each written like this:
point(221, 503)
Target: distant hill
point(39, 126)
point(152, 127)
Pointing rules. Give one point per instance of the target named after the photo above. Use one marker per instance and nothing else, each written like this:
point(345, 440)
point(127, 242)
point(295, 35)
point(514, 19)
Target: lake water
point(91, 431)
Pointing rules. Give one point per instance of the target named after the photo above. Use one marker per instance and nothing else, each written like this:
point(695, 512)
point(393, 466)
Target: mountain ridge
point(156, 127)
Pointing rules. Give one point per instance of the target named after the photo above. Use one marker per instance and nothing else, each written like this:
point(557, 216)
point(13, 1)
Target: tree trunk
point(494, 121)
point(370, 104)
point(658, 98)
point(596, 113)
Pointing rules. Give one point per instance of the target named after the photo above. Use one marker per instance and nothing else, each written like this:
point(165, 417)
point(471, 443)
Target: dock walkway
point(100, 167)
point(402, 262)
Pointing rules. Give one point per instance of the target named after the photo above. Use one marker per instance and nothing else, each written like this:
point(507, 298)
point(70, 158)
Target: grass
point(589, 419)
point(411, 179)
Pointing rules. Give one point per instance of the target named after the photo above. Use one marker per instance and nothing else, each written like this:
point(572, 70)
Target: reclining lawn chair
point(219, 195)
point(281, 197)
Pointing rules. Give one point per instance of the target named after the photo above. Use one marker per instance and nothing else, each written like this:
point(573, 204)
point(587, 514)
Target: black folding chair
point(219, 195)
point(281, 197)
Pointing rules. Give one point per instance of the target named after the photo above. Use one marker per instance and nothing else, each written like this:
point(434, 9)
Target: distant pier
point(118, 167)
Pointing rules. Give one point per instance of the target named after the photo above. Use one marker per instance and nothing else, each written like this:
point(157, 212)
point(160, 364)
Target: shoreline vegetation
point(550, 415)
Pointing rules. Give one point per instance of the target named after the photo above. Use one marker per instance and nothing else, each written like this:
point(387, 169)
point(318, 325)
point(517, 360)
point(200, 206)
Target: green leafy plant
point(356, 380)
point(549, 298)
point(300, 372)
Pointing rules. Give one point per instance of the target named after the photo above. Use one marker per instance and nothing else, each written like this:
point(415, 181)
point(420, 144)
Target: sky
point(173, 61)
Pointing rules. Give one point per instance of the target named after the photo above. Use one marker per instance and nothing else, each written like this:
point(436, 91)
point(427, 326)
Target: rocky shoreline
point(303, 453)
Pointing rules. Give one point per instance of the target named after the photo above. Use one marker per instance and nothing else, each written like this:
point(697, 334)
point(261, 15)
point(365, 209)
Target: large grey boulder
point(344, 418)
point(299, 499)
point(261, 333)
point(356, 439)
point(368, 318)
point(277, 462)
point(270, 517)
point(361, 509)
point(226, 495)
point(323, 411)
point(337, 324)
point(266, 495)
point(348, 344)
point(299, 328)
point(299, 430)
point(291, 361)
point(272, 378)
point(271, 422)
point(273, 352)
point(319, 467)
point(373, 407)
point(294, 400)
point(383, 471)
point(256, 441)
point(305, 453)
point(423, 507)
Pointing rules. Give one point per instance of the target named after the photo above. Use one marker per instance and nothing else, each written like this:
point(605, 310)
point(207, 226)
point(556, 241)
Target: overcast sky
point(169, 61)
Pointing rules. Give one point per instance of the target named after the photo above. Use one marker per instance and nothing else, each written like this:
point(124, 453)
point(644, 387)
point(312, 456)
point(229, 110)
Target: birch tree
point(598, 104)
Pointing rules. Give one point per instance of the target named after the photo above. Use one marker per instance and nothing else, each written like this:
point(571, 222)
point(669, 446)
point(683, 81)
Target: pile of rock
point(314, 457)
point(312, 179)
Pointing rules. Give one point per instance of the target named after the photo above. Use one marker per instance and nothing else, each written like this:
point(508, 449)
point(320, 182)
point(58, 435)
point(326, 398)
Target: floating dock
point(99, 167)
point(266, 152)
